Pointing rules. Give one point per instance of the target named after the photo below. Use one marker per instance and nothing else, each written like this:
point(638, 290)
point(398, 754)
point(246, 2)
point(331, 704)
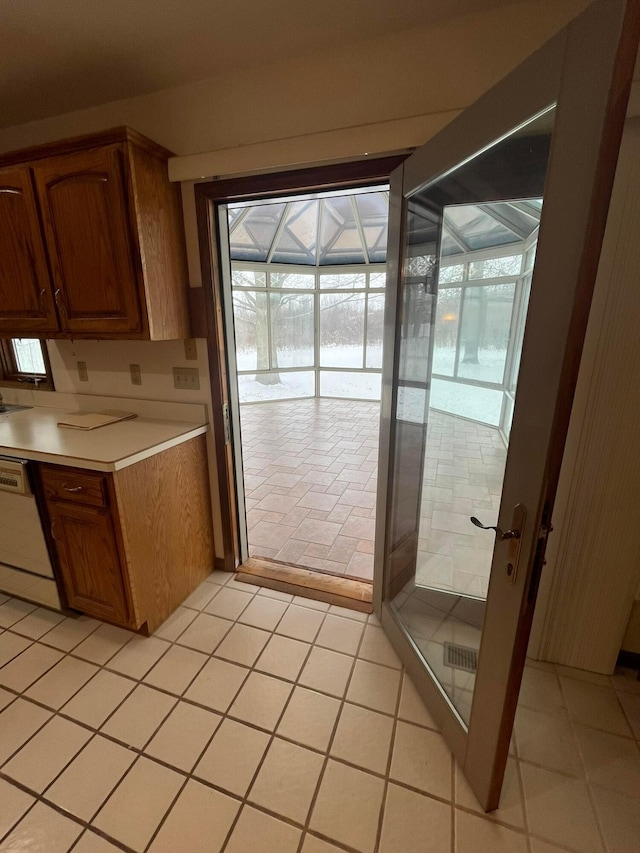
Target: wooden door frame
point(208, 196)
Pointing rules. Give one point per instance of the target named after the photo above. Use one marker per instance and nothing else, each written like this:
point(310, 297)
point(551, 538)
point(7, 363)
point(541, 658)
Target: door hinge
point(225, 420)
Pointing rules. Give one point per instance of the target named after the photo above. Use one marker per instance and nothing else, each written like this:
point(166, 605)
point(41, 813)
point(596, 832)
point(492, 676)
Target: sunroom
point(308, 279)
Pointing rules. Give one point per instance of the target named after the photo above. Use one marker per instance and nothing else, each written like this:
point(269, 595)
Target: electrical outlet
point(186, 378)
point(190, 349)
point(136, 378)
point(83, 375)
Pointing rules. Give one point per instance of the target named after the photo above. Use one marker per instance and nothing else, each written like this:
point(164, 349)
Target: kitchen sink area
point(9, 408)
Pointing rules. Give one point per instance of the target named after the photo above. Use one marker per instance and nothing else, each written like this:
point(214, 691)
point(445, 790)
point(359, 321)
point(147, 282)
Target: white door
point(495, 234)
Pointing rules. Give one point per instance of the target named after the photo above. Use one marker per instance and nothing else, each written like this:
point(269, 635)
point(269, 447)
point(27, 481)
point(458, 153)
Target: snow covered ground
point(490, 368)
point(333, 383)
point(468, 401)
point(355, 386)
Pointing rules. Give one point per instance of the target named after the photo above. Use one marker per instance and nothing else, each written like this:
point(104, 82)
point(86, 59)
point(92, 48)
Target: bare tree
point(475, 321)
point(286, 309)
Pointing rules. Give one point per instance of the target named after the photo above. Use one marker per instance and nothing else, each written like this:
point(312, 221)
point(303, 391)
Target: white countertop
point(34, 434)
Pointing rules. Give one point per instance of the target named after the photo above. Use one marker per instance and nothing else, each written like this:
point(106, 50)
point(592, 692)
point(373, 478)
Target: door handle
point(514, 534)
point(500, 534)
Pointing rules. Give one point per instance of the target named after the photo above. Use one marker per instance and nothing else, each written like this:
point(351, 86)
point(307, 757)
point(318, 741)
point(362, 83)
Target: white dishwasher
point(25, 565)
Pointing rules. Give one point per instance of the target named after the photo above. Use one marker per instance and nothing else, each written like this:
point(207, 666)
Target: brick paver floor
point(310, 479)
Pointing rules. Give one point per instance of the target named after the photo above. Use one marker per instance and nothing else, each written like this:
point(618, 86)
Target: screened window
point(305, 333)
point(480, 314)
point(308, 275)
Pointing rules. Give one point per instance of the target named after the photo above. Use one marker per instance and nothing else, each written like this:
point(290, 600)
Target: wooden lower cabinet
point(89, 561)
point(133, 544)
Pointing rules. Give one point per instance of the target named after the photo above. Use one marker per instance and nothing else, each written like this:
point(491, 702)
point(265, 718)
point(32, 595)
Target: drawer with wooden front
point(68, 484)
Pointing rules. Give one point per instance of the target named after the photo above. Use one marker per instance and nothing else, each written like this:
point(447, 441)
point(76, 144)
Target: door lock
point(514, 534)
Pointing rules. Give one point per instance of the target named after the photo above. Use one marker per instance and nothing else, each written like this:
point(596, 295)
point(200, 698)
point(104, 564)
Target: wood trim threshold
point(283, 577)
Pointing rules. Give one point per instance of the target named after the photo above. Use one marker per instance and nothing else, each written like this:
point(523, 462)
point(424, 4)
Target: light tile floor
point(253, 721)
point(435, 619)
point(310, 483)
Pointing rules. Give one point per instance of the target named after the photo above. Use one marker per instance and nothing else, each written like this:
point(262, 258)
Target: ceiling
point(345, 228)
point(60, 56)
point(351, 228)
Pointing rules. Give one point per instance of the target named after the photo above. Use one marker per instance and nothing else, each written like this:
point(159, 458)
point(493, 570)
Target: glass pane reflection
point(463, 315)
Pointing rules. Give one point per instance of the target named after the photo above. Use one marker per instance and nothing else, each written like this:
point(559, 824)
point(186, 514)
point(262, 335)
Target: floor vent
point(460, 657)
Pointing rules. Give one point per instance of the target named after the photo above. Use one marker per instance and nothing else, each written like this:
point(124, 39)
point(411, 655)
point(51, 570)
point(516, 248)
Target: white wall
point(426, 71)
point(108, 368)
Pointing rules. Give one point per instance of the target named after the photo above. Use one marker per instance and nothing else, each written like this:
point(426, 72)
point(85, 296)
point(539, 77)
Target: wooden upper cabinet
point(97, 250)
point(86, 226)
point(26, 296)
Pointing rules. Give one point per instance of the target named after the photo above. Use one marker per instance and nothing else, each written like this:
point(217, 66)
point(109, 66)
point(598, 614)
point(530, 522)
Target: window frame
point(11, 376)
point(366, 290)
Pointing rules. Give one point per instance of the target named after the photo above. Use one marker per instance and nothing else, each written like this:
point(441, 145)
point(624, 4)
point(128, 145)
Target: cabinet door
point(26, 296)
point(89, 561)
point(89, 241)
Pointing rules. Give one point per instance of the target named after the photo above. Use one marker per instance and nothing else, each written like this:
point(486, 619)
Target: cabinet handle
point(59, 302)
point(71, 488)
point(53, 527)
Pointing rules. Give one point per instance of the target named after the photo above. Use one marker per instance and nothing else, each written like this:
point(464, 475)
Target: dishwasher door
point(25, 565)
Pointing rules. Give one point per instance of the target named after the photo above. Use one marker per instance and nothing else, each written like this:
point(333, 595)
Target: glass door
point(495, 234)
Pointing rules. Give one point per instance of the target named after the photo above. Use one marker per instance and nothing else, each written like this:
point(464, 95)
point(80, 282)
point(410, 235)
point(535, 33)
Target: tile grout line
point(178, 697)
point(40, 799)
point(245, 799)
point(587, 783)
point(95, 731)
point(222, 716)
point(523, 800)
point(389, 762)
point(255, 595)
point(191, 775)
point(230, 794)
point(326, 613)
point(141, 680)
point(327, 754)
point(139, 753)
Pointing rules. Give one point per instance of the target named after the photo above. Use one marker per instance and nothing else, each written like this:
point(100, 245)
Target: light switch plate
point(83, 374)
point(186, 378)
point(136, 377)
